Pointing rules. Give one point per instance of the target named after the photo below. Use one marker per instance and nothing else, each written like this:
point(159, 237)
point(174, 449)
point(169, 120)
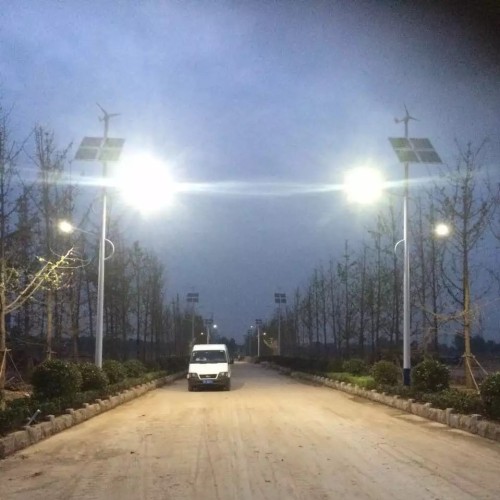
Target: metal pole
point(258, 341)
point(100, 277)
point(406, 280)
point(208, 333)
point(192, 324)
point(279, 329)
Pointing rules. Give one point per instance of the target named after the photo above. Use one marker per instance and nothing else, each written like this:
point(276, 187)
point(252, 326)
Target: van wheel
point(190, 388)
point(228, 386)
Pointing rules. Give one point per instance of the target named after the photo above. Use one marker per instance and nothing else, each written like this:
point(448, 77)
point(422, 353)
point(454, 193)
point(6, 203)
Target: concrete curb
point(474, 424)
point(33, 434)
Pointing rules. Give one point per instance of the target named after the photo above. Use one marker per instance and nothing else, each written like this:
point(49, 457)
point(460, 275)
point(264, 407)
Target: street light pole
point(193, 298)
point(279, 298)
point(416, 151)
point(103, 149)
point(258, 323)
point(406, 273)
point(406, 282)
point(100, 276)
point(208, 322)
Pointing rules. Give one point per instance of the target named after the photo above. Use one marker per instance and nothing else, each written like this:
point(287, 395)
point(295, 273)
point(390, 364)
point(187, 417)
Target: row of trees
point(48, 280)
point(353, 304)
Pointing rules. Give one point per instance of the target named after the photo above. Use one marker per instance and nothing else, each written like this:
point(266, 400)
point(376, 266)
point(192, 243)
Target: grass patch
point(363, 381)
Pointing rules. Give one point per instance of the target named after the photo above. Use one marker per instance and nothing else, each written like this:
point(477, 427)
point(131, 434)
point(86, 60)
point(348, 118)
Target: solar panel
point(86, 154)
point(91, 142)
point(414, 150)
point(429, 157)
point(407, 155)
point(400, 143)
point(92, 148)
point(421, 144)
point(110, 154)
point(114, 143)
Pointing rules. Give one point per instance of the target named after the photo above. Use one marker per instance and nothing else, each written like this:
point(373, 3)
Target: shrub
point(134, 368)
point(56, 378)
point(431, 376)
point(355, 366)
point(173, 364)
point(114, 370)
point(461, 401)
point(14, 416)
point(93, 377)
point(490, 394)
point(334, 365)
point(386, 373)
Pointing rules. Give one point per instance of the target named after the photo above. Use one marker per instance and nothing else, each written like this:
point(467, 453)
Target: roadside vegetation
point(58, 385)
point(430, 382)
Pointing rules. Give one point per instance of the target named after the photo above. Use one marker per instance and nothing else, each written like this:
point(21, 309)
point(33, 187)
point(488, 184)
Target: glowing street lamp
point(442, 230)
point(145, 183)
point(67, 228)
point(363, 185)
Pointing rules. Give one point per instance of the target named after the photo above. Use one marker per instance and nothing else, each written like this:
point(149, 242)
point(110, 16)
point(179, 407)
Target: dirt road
point(269, 438)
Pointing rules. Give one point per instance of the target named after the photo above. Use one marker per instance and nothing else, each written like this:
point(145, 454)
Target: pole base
point(406, 376)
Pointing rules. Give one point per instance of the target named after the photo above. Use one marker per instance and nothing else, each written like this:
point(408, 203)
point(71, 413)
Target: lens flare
point(145, 183)
point(363, 185)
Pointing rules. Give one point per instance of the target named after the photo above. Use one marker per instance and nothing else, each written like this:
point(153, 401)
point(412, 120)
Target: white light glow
point(65, 226)
point(442, 229)
point(363, 185)
point(145, 183)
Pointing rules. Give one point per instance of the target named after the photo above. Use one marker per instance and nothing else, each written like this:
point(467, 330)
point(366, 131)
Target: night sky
point(258, 108)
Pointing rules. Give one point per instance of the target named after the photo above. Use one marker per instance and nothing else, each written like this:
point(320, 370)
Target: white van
point(209, 366)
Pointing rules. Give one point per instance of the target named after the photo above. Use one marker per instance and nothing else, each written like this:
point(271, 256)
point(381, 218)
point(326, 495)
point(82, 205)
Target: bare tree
point(467, 204)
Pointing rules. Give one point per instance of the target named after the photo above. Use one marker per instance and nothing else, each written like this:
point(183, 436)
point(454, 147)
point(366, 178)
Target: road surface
point(271, 437)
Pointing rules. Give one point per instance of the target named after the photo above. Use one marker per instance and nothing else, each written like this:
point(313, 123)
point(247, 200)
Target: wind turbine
point(405, 120)
point(105, 119)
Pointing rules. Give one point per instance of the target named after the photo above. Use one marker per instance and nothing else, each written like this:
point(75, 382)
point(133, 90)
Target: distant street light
point(249, 337)
point(279, 298)
point(258, 323)
point(192, 298)
point(104, 150)
point(208, 323)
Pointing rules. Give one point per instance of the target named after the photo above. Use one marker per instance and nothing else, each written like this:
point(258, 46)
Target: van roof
point(209, 347)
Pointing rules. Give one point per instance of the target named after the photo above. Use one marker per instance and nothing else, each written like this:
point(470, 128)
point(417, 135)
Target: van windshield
point(209, 357)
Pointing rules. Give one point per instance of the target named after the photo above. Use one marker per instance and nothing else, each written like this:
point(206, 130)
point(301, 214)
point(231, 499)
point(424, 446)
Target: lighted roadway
point(270, 437)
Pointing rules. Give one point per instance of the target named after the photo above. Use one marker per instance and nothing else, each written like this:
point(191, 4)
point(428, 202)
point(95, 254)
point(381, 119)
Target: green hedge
point(490, 393)
point(93, 377)
point(431, 376)
point(134, 368)
point(355, 366)
point(55, 378)
point(461, 401)
point(59, 385)
point(386, 373)
point(115, 371)
point(364, 381)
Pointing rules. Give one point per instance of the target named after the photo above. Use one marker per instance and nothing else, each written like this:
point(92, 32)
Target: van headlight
point(192, 375)
point(223, 374)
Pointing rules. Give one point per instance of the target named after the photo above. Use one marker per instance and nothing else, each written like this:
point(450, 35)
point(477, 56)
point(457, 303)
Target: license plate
point(208, 381)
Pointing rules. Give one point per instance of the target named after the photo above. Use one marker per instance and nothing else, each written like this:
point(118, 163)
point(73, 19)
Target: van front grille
point(209, 376)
